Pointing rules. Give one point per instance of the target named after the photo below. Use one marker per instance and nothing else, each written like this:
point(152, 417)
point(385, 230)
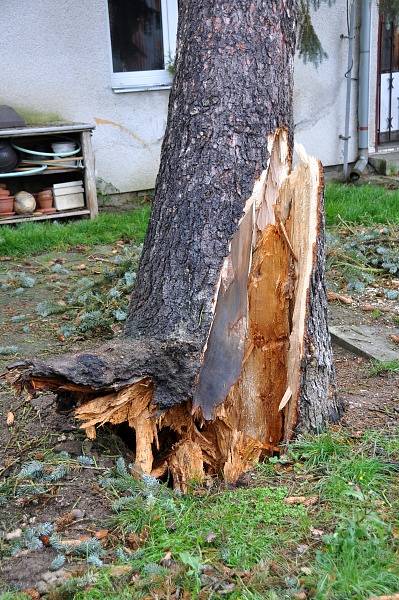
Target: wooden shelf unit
point(80, 132)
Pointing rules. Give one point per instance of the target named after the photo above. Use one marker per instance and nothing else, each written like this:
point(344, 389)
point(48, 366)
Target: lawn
point(362, 204)
point(319, 522)
point(34, 238)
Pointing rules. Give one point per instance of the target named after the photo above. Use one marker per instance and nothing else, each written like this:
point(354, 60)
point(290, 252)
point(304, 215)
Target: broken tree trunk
point(226, 351)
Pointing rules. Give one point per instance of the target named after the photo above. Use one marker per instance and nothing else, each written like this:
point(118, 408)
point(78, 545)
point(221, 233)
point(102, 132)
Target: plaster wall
point(56, 58)
point(320, 93)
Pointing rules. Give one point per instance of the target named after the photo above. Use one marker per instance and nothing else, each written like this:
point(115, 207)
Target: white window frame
point(156, 79)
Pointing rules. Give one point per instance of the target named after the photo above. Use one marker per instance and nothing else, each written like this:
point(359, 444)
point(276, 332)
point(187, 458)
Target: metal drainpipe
point(346, 137)
point(364, 84)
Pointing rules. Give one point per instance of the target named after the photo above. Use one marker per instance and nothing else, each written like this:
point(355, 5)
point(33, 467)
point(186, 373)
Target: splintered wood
point(246, 399)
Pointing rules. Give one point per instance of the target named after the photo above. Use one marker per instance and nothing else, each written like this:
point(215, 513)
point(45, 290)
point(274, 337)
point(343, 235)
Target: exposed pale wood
point(89, 174)
point(144, 428)
point(186, 464)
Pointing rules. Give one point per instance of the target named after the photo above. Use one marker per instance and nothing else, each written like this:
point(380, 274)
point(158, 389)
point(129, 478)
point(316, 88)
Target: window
point(143, 42)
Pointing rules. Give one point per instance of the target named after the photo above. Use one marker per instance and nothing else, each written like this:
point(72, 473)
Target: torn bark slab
point(265, 369)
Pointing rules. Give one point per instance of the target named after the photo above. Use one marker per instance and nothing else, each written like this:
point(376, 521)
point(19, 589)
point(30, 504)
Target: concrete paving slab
point(364, 340)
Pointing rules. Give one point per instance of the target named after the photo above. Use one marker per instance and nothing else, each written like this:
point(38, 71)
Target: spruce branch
point(390, 9)
point(308, 44)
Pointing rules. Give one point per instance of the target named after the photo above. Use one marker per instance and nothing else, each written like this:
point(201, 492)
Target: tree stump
point(226, 351)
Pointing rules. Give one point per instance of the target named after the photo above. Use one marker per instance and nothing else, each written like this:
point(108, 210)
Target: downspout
point(364, 85)
point(346, 137)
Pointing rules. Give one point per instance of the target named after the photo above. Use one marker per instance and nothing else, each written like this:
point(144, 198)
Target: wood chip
point(10, 418)
point(367, 307)
point(32, 593)
point(334, 297)
point(304, 500)
point(101, 534)
point(120, 570)
point(286, 398)
point(166, 561)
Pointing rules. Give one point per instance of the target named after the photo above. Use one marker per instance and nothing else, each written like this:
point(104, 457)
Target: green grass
point(243, 522)
point(361, 204)
point(357, 561)
point(359, 557)
point(248, 537)
point(379, 367)
point(29, 239)
point(317, 450)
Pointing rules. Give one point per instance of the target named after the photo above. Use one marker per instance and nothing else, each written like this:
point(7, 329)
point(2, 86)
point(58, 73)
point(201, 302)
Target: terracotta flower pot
point(6, 205)
point(45, 199)
point(4, 193)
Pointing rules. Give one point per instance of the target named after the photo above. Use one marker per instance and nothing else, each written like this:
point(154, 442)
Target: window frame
point(155, 79)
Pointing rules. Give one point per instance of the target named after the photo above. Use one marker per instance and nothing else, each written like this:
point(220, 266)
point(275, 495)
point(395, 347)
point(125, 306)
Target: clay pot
point(45, 199)
point(4, 193)
point(6, 205)
point(25, 203)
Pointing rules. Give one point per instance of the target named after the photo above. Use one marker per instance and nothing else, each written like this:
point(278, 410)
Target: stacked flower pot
point(6, 201)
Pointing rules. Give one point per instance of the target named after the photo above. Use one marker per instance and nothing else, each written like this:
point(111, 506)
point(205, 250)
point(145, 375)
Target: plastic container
point(59, 148)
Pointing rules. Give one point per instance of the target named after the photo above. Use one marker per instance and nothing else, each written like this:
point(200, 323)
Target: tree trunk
point(226, 350)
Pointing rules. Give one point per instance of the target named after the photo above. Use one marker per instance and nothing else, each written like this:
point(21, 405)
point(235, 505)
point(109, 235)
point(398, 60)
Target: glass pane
point(386, 45)
point(395, 49)
point(136, 35)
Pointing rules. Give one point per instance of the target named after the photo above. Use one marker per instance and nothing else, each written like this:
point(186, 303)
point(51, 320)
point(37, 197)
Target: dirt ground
point(38, 432)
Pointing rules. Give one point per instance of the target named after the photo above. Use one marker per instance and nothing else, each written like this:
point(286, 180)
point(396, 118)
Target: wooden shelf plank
point(29, 130)
point(57, 215)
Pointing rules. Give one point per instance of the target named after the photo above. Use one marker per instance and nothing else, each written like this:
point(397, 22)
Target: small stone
point(42, 587)
point(300, 596)
point(367, 307)
point(60, 575)
point(13, 535)
point(77, 513)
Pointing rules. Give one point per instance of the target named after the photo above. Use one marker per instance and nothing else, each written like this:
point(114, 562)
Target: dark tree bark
point(226, 342)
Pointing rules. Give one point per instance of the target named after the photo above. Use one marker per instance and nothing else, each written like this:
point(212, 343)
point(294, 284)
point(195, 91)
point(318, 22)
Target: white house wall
point(319, 95)
point(55, 57)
